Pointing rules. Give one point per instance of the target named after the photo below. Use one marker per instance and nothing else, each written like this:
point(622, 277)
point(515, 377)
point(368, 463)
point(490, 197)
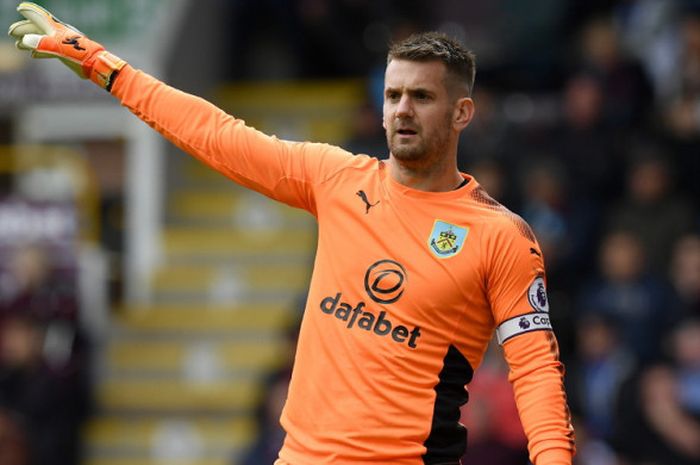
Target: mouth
point(406, 132)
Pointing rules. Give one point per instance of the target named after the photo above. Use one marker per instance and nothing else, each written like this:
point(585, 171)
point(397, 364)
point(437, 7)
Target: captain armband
point(522, 324)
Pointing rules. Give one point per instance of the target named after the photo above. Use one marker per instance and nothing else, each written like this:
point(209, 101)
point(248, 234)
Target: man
point(415, 267)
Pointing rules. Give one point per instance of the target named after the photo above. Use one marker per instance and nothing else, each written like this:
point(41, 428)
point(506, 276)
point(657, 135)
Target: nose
point(404, 107)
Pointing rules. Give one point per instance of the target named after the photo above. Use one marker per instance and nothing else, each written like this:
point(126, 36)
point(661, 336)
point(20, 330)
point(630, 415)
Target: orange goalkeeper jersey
point(407, 290)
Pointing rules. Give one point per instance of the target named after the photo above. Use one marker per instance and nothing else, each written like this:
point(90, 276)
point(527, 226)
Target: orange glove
point(47, 37)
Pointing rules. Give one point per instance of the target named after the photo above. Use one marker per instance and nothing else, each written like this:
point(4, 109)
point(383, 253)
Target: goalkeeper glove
point(47, 37)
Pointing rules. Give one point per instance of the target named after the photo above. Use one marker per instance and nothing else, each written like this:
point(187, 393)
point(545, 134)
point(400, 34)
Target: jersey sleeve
point(514, 263)
point(516, 289)
point(285, 171)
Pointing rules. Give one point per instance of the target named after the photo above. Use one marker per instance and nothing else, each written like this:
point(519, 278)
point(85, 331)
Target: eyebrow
point(412, 91)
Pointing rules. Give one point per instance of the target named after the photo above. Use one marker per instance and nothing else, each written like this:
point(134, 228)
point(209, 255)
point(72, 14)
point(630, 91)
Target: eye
point(421, 96)
point(393, 96)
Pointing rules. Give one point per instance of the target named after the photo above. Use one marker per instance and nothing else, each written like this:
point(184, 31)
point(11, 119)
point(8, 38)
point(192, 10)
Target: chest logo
point(446, 240)
point(368, 204)
point(385, 281)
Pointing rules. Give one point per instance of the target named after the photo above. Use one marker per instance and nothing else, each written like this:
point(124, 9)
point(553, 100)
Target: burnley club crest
point(446, 240)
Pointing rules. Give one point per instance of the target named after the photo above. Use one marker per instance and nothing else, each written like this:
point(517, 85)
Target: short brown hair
point(429, 46)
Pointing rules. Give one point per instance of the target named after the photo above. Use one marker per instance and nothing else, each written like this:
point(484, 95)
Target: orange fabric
point(386, 308)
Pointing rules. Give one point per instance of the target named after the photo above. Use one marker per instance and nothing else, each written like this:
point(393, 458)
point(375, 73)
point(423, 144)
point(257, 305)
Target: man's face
point(418, 111)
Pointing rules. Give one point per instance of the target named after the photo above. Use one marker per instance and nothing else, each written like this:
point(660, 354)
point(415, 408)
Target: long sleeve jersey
point(407, 290)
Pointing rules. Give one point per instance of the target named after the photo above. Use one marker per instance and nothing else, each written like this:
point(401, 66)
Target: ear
point(463, 113)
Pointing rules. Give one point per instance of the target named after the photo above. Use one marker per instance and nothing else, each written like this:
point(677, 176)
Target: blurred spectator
point(33, 286)
point(628, 94)
point(263, 43)
point(490, 175)
point(685, 273)
point(503, 34)
point(683, 100)
point(656, 214)
point(545, 191)
point(13, 443)
point(488, 135)
point(592, 451)
point(638, 302)
point(52, 403)
point(648, 29)
point(660, 412)
point(495, 435)
point(270, 433)
point(584, 141)
point(680, 107)
point(275, 39)
point(563, 223)
point(367, 135)
point(685, 346)
point(44, 377)
point(595, 375)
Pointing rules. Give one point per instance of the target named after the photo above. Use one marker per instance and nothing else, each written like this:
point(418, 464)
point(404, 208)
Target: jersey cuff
point(522, 324)
point(554, 457)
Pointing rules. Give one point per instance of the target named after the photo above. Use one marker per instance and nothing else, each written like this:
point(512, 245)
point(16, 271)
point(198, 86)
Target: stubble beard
point(406, 152)
point(425, 149)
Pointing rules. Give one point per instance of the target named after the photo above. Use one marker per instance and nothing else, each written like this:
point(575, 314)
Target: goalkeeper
point(416, 266)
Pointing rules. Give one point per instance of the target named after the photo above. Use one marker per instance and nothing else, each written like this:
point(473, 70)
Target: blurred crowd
point(44, 359)
point(604, 168)
point(588, 126)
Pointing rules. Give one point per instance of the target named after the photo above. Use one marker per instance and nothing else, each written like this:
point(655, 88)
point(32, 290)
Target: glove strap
point(105, 68)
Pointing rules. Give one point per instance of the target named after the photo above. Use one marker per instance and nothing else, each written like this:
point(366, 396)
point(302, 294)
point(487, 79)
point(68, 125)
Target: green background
point(116, 20)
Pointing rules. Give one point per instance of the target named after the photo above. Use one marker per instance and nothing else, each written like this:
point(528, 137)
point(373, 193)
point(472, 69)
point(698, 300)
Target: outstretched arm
point(282, 170)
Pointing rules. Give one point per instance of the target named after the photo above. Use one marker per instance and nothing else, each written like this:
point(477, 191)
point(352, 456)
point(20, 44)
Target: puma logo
point(368, 205)
point(74, 42)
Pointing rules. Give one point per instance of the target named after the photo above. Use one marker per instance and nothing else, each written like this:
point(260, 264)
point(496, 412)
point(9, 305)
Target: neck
point(435, 178)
